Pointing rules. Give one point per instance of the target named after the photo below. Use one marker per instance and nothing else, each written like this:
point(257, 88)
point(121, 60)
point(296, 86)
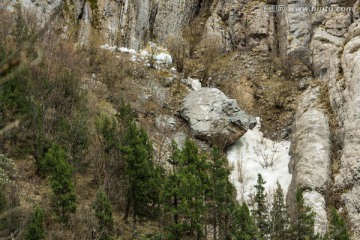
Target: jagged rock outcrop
point(330, 43)
point(242, 25)
point(172, 16)
point(214, 117)
point(324, 46)
point(307, 39)
point(130, 23)
point(310, 156)
point(294, 35)
point(345, 94)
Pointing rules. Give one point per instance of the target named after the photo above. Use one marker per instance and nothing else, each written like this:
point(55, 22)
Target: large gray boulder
point(214, 117)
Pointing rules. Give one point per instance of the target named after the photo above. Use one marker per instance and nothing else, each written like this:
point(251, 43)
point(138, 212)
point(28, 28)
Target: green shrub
point(35, 229)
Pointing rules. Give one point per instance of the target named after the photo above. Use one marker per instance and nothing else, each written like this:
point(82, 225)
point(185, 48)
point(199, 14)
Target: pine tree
point(35, 229)
point(260, 211)
point(194, 185)
point(170, 196)
point(52, 157)
point(64, 197)
point(185, 191)
point(280, 220)
point(103, 213)
point(338, 230)
point(221, 196)
point(244, 227)
point(304, 220)
point(143, 177)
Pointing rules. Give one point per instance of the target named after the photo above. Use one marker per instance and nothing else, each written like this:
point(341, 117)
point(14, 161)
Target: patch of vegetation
point(36, 229)
point(95, 20)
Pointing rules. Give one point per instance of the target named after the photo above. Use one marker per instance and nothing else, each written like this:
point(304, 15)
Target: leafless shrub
point(211, 50)
point(267, 154)
point(242, 175)
point(192, 35)
point(177, 48)
point(275, 92)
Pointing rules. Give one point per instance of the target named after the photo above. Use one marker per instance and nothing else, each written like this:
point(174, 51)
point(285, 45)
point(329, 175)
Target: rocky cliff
point(312, 45)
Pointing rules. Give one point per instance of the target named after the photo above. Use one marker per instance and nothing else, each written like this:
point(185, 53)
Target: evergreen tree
point(143, 177)
point(125, 112)
point(304, 220)
point(194, 186)
point(103, 213)
point(279, 220)
point(64, 197)
point(244, 225)
point(35, 229)
point(185, 191)
point(260, 211)
point(221, 196)
point(170, 196)
point(338, 230)
point(52, 157)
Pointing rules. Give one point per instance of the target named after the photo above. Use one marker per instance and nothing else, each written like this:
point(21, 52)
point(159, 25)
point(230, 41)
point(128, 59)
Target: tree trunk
point(127, 210)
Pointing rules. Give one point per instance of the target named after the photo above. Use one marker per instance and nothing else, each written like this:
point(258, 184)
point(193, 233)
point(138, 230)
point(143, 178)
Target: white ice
point(253, 154)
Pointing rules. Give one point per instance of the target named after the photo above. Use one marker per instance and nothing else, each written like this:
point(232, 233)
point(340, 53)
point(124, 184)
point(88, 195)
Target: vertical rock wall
point(310, 152)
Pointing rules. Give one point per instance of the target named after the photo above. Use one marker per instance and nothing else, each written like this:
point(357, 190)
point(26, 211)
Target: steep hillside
point(86, 76)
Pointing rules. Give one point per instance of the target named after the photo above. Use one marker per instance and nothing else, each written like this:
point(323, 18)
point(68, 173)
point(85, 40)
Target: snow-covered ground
point(162, 57)
point(253, 154)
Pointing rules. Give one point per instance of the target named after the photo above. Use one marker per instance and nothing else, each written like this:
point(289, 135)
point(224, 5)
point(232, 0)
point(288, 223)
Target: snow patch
point(127, 50)
point(108, 47)
point(253, 154)
point(145, 54)
point(164, 58)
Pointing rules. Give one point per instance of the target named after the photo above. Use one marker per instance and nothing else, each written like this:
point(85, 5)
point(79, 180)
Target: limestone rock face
point(310, 156)
point(172, 16)
point(346, 99)
point(294, 29)
point(214, 117)
point(324, 47)
point(129, 23)
point(242, 25)
point(310, 36)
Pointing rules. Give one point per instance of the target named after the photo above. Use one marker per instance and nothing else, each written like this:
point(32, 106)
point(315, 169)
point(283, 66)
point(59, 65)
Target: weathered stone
point(318, 204)
point(338, 25)
point(165, 123)
point(346, 97)
point(294, 35)
point(352, 203)
point(310, 154)
point(242, 24)
point(214, 117)
point(172, 16)
point(324, 46)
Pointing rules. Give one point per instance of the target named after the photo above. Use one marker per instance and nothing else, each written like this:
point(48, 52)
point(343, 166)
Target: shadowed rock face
point(214, 117)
